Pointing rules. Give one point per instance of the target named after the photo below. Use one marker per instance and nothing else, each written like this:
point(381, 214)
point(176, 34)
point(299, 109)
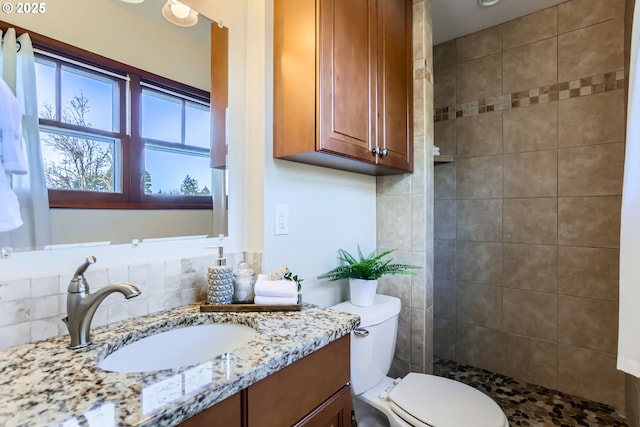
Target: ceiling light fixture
point(179, 14)
point(487, 3)
point(132, 1)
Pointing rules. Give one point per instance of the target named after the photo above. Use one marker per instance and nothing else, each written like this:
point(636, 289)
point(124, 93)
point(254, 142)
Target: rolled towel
point(275, 288)
point(262, 300)
point(278, 273)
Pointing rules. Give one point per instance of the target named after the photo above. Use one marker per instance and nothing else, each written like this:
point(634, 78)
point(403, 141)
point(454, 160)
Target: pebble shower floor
point(531, 405)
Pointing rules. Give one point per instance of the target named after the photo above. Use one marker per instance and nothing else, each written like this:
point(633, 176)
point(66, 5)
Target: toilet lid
point(441, 402)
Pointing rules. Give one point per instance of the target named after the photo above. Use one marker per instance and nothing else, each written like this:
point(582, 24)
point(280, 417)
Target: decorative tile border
point(565, 90)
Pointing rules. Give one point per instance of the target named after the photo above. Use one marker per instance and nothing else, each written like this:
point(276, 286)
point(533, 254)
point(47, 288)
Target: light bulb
point(180, 10)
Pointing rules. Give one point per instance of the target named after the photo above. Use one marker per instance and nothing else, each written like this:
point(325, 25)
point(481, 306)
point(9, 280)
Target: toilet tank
point(373, 343)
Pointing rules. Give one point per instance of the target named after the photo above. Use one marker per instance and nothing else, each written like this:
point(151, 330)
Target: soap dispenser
point(220, 277)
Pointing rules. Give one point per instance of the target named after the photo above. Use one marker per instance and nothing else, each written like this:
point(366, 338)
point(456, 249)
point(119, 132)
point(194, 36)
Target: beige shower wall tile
point(479, 220)
point(479, 135)
point(444, 136)
point(481, 43)
point(590, 374)
point(419, 113)
point(444, 180)
point(422, 281)
point(530, 66)
point(530, 267)
point(531, 128)
point(576, 14)
point(478, 346)
point(533, 220)
point(444, 54)
point(444, 224)
point(444, 259)
point(632, 400)
point(594, 170)
point(444, 298)
point(394, 221)
point(444, 81)
point(479, 262)
point(393, 184)
point(479, 78)
point(532, 314)
point(589, 221)
point(531, 360)
point(418, 338)
point(530, 28)
point(593, 119)
point(592, 50)
point(418, 27)
point(531, 174)
point(479, 305)
point(421, 234)
point(588, 272)
point(589, 323)
point(479, 177)
point(444, 338)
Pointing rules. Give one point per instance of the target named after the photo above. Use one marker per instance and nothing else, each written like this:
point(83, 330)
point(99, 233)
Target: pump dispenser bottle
point(220, 276)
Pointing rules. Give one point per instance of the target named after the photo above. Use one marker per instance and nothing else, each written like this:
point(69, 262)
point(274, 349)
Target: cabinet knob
point(375, 151)
point(384, 153)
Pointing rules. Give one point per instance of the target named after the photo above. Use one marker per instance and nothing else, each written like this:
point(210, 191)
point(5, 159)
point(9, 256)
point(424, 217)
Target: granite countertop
point(47, 384)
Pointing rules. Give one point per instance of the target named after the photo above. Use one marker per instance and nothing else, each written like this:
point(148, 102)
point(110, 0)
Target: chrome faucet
point(81, 305)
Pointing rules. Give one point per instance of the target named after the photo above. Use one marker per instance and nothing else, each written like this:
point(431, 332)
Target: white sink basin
point(178, 347)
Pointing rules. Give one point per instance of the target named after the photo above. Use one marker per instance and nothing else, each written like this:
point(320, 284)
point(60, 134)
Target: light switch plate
point(282, 219)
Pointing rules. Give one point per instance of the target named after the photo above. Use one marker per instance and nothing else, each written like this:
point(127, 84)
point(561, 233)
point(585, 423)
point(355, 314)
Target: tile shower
point(527, 216)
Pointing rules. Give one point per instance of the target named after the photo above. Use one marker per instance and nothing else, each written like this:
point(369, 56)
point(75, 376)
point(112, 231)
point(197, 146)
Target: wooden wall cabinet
point(311, 392)
point(343, 84)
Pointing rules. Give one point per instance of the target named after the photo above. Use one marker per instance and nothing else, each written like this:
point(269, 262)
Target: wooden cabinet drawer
point(286, 397)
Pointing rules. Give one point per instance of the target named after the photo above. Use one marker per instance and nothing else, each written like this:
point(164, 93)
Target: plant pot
point(362, 292)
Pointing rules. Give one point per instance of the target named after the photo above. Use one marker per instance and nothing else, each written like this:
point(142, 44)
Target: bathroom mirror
point(137, 35)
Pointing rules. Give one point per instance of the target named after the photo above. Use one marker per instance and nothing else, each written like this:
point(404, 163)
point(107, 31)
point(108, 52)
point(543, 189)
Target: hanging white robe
point(12, 158)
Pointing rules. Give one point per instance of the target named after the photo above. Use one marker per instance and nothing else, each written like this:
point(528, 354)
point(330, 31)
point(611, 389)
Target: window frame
point(129, 134)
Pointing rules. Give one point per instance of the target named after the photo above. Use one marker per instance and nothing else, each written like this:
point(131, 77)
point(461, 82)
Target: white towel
point(275, 288)
point(11, 152)
point(261, 300)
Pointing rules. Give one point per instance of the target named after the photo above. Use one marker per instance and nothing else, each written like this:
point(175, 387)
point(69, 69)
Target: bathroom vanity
point(294, 372)
point(286, 397)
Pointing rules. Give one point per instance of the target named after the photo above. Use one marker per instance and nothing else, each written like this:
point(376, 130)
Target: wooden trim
point(219, 94)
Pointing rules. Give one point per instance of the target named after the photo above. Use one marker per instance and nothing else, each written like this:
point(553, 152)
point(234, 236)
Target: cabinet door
point(335, 412)
point(288, 396)
point(347, 74)
point(224, 414)
point(395, 83)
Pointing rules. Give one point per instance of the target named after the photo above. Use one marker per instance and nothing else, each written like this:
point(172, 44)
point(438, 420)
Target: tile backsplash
point(31, 308)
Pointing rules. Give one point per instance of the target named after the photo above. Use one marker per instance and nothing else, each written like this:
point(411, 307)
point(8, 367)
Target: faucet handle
point(78, 282)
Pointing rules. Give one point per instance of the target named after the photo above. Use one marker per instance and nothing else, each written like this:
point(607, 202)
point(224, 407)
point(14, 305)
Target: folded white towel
point(275, 288)
point(262, 300)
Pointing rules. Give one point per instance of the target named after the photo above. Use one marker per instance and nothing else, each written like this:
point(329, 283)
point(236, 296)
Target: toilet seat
point(430, 401)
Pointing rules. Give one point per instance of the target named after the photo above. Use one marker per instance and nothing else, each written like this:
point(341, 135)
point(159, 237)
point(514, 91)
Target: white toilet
point(417, 400)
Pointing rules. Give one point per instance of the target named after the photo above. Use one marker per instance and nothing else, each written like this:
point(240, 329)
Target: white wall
point(328, 209)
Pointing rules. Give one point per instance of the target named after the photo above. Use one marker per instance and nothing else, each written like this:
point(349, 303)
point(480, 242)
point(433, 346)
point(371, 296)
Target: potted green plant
point(363, 273)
